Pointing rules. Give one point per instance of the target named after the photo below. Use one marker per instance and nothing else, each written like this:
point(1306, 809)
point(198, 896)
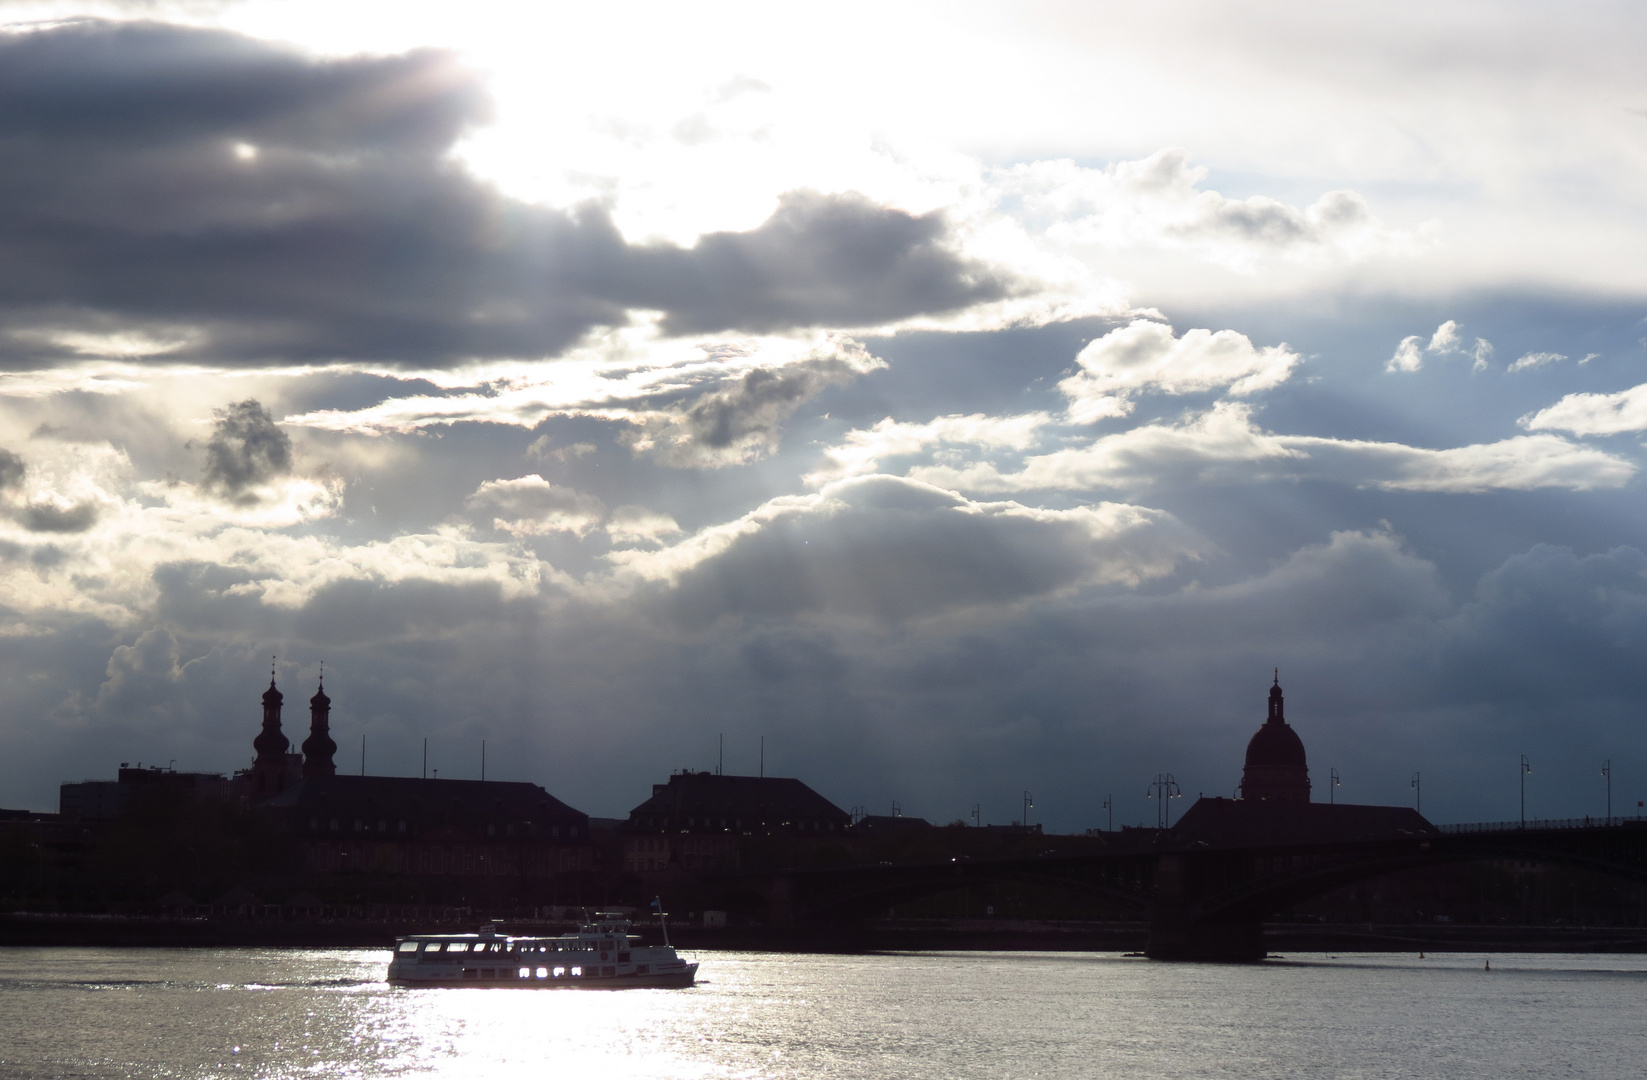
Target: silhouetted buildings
point(406, 826)
point(697, 821)
point(95, 800)
point(1275, 806)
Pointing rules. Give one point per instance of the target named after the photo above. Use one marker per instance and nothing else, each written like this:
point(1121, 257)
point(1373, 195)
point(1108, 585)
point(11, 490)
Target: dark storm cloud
point(42, 517)
point(51, 518)
point(12, 469)
point(247, 449)
point(228, 198)
point(819, 260)
point(895, 550)
point(743, 419)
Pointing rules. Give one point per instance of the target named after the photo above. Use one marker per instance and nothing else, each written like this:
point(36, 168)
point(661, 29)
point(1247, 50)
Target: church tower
point(318, 748)
point(269, 769)
point(1276, 769)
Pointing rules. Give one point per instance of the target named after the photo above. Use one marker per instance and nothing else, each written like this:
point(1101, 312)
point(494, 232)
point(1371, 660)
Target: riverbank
point(913, 935)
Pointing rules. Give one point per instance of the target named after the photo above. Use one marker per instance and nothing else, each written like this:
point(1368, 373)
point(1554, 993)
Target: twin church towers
point(275, 768)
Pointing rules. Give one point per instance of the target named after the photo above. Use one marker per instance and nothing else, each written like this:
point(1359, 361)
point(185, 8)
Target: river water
point(98, 1013)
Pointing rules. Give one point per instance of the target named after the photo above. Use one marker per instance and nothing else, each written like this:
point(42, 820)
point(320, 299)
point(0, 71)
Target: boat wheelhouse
point(603, 954)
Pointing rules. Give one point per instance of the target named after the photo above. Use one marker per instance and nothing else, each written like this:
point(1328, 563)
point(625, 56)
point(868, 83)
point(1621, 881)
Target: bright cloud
point(1593, 414)
point(1409, 355)
point(1158, 202)
point(1225, 443)
point(1536, 359)
point(865, 451)
point(530, 506)
point(1146, 357)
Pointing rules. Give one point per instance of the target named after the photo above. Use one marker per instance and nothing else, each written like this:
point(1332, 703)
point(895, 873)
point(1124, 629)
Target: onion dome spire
point(271, 744)
point(318, 748)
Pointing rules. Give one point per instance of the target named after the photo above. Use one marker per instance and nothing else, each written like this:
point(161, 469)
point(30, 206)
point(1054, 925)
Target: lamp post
point(1418, 792)
point(1162, 788)
point(1109, 805)
point(1029, 803)
point(1607, 771)
point(1526, 767)
point(1331, 793)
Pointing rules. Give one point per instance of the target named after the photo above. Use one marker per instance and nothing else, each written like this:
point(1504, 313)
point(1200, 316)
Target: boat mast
point(657, 906)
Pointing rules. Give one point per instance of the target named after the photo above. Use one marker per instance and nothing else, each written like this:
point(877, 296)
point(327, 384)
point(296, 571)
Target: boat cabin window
point(433, 946)
point(406, 946)
point(457, 946)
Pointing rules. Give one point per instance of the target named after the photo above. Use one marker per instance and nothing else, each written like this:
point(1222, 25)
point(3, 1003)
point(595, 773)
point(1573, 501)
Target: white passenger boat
point(603, 954)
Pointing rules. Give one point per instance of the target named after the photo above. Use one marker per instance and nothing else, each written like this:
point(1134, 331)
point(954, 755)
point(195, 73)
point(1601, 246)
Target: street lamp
point(1607, 771)
point(1526, 768)
point(1331, 786)
point(1109, 805)
point(1418, 793)
point(1164, 787)
point(1029, 801)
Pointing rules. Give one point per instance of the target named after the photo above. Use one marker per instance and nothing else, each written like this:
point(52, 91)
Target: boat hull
point(656, 980)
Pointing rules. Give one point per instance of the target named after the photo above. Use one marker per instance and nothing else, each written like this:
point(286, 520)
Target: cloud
point(1445, 339)
point(530, 506)
point(12, 470)
point(1409, 355)
point(183, 193)
point(1593, 414)
point(1145, 356)
point(741, 420)
point(246, 452)
point(1219, 443)
point(1158, 202)
point(866, 451)
point(140, 677)
point(1522, 463)
point(1224, 444)
point(702, 402)
point(1482, 353)
point(894, 550)
point(51, 517)
point(818, 261)
point(1536, 359)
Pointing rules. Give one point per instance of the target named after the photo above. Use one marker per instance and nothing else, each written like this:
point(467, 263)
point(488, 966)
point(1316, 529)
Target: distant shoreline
point(923, 935)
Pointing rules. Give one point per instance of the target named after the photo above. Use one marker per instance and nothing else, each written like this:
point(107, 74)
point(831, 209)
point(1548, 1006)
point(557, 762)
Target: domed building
point(1276, 770)
point(1274, 806)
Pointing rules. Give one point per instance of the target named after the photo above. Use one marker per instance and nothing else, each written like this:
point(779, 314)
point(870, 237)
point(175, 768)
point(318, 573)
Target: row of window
point(396, 858)
point(548, 972)
point(693, 821)
point(527, 828)
point(432, 947)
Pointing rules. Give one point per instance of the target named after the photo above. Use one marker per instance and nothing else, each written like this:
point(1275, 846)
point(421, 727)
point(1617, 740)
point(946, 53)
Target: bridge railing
point(1540, 823)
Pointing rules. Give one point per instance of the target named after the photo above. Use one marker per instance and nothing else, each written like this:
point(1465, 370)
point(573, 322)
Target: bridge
point(1205, 893)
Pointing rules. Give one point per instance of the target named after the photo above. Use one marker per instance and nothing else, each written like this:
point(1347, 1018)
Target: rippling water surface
point(297, 1013)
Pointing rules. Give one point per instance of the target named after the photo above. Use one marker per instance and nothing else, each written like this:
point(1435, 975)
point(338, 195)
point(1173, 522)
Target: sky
point(936, 402)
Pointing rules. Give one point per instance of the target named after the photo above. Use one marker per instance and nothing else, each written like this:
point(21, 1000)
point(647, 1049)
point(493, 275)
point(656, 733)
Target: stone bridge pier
point(1179, 931)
